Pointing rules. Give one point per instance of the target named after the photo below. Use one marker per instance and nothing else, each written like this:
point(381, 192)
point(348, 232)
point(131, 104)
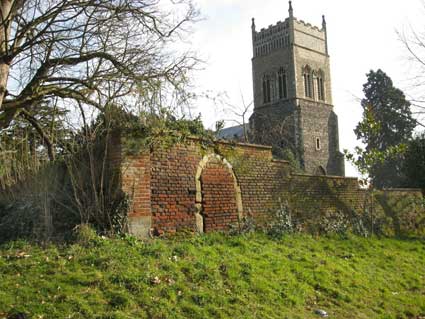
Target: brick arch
point(218, 195)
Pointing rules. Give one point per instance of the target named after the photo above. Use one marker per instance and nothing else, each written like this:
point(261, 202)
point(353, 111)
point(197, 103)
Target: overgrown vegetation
point(47, 200)
point(71, 73)
point(372, 213)
point(160, 130)
point(214, 276)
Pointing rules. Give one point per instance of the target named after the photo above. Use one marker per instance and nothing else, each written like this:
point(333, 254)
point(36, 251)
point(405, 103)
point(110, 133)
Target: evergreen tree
point(387, 125)
point(414, 163)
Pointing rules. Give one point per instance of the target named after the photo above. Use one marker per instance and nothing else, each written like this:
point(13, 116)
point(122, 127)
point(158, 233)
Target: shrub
point(281, 221)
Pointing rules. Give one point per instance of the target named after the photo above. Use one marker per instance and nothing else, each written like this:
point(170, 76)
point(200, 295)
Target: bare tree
point(414, 42)
point(239, 115)
point(88, 55)
point(278, 132)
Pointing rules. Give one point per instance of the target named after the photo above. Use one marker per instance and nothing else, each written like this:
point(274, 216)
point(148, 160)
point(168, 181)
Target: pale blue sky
point(362, 36)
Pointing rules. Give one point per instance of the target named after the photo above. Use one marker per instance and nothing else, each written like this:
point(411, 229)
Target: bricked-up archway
point(218, 195)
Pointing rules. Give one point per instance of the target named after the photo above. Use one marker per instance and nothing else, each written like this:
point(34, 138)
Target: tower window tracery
point(320, 86)
point(282, 82)
point(266, 89)
point(308, 82)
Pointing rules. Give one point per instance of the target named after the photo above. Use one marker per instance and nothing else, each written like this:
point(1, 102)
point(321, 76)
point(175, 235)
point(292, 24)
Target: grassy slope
point(216, 277)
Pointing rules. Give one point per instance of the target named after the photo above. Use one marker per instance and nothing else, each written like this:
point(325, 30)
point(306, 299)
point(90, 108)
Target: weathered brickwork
point(260, 185)
point(315, 195)
point(173, 187)
point(218, 197)
point(189, 187)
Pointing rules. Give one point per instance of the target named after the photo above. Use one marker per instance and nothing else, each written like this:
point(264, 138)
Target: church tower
point(293, 95)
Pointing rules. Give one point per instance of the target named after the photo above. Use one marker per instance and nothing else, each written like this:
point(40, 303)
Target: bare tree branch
point(90, 54)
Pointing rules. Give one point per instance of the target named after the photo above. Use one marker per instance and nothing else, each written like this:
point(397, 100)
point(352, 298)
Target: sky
point(362, 36)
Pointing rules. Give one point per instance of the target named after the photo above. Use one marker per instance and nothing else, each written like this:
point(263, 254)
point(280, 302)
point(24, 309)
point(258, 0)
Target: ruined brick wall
point(192, 187)
point(261, 180)
point(401, 211)
point(173, 187)
point(167, 194)
point(218, 197)
point(245, 171)
point(318, 203)
point(136, 182)
point(325, 193)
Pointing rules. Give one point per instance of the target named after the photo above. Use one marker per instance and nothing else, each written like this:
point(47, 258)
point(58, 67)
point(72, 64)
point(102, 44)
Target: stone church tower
point(293, 94)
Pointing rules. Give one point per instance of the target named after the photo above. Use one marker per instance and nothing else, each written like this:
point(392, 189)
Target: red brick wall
point(261, 182)
point(173, 187)
point(163, 186)
point(218, 197)
point(325, 193)
point(136, 178)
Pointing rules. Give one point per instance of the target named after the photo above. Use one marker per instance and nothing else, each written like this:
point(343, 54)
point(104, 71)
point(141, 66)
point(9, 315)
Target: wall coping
point(258, 146)
point(280, 161)
point(402, 190)
point(419, 190)
point(326, 176)
point(221, 141)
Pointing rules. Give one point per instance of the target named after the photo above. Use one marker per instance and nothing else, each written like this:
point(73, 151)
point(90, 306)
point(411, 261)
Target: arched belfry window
point(282, 81)
point(320, 86)
point(308, 82)
point(266, 89)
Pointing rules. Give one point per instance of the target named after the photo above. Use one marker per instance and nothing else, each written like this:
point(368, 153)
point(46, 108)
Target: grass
point(215, 276)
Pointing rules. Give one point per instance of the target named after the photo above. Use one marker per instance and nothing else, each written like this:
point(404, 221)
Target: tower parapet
point(278, 36)
point(309, 36)
point(273, 38)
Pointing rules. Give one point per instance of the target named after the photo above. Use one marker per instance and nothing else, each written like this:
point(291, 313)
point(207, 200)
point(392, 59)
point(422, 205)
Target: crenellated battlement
point(310, 36)
point(273, 38)
point(309, 25)
point(284, 33)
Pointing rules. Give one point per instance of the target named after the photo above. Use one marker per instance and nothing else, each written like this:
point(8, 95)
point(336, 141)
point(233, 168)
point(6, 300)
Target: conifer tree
point(385, 129)
point(414, 162)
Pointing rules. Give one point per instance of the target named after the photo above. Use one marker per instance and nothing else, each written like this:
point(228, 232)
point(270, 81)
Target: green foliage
point(387, 116)
point(85, 235)
point(246, 225)
point(215, 276)
point(367, 161)
point(161, 130)
point(414, 162)
point(286, 154)
point(386, 127)
point(282, 223)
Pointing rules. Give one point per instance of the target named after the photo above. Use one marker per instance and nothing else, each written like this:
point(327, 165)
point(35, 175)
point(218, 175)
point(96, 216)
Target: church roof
point(232, 133)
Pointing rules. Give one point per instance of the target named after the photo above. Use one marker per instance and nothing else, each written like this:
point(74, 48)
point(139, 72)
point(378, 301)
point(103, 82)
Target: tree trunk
point(5, 28)
point(4, 73)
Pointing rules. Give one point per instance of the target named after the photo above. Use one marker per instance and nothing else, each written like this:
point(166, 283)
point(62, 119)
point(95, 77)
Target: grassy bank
point(215, 277)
